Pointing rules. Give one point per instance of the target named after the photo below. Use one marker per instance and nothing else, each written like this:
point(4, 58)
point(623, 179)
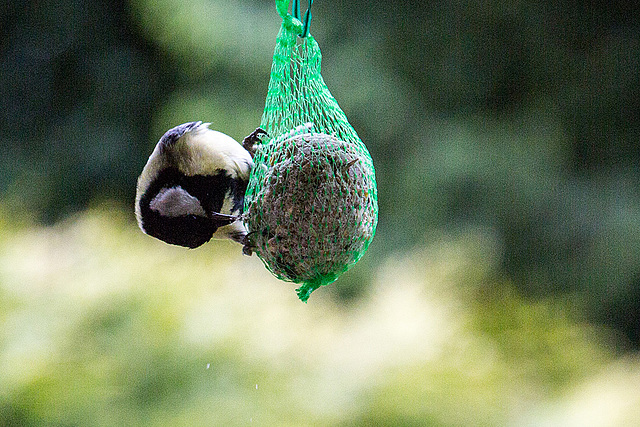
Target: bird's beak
point(222, 219)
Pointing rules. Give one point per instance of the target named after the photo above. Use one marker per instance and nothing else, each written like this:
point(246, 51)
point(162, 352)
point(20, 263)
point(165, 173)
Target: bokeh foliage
point(125, 330)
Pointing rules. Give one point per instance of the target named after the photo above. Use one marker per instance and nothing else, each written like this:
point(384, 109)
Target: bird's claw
point(256, 137)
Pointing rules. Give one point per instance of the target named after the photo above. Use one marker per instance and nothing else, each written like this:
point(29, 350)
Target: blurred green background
point(503, 285)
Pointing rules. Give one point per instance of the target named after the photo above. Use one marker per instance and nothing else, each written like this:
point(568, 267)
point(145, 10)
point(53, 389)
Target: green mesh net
point(311, 205)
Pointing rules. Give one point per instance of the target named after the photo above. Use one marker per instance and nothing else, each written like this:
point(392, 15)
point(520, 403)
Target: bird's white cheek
point(175, 202)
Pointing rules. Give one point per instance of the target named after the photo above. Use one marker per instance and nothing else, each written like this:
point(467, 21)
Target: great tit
point(192, 187)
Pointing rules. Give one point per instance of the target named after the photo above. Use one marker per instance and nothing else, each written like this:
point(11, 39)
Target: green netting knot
point(304, 291)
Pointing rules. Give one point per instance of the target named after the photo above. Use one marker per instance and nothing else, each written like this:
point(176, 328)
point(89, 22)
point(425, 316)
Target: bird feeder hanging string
point(294, 21)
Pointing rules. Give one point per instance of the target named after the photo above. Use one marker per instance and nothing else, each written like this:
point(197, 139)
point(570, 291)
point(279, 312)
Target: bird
point(193, 185)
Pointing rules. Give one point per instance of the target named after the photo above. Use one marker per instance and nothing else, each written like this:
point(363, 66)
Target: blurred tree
point(77, 88)
point(518, 116)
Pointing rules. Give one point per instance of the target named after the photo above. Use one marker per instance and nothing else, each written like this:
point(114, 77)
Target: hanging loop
point(294, 21)
point(306, 21)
